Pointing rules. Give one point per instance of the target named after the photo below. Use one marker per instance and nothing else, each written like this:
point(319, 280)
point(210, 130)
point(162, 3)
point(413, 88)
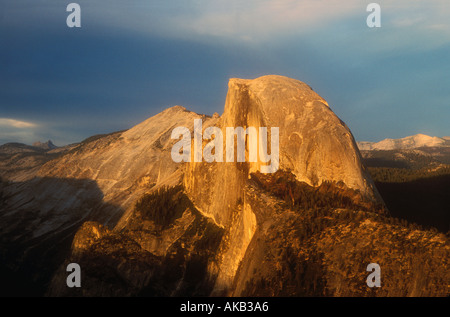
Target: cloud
point(253, 21)
point(4, 122)
point(265, 20)
point(258, 20)
point(405, 23)
point(12, 130)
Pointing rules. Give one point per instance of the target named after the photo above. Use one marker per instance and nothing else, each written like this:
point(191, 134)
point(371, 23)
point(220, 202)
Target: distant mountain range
point(409, 142)
point(412, 175)
point(416, 151)
point(20, 161)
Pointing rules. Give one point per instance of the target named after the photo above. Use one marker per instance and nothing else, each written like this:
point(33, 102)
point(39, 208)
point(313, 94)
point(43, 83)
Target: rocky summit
point(139, 224)
point(46, 145)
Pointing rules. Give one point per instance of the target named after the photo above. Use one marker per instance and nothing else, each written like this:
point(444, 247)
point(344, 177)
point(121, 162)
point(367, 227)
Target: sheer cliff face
point(314, 144)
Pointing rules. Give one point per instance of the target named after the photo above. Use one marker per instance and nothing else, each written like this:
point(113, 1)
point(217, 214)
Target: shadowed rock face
point(45, 197)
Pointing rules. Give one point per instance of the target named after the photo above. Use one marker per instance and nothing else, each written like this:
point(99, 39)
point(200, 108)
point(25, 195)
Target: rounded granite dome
point(314, 143)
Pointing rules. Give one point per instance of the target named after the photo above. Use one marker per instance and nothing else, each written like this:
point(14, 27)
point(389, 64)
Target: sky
point(130, 60)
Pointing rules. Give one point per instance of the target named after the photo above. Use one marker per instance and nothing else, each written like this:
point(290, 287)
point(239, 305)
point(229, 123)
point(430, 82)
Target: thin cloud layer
point(261, 20)
point(17, 130)
point(258, 21)
point(251, 20)
point(12, 123)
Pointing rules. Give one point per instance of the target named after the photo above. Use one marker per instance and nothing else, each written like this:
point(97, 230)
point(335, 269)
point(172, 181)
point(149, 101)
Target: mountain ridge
point(45, 145)
point(409, 142)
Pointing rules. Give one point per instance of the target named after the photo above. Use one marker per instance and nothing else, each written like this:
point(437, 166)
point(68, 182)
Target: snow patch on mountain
point(409, 142)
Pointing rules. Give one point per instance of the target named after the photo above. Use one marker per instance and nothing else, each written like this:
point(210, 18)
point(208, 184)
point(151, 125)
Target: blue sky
point(132, 59)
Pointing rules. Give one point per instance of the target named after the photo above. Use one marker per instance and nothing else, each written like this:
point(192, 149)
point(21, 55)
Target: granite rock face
point(314, 144)
point(46, 196)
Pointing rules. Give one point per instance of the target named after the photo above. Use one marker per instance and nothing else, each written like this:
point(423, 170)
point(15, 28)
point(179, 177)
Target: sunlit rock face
point(126, 164)
point(314, 144)
point(99, 179)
